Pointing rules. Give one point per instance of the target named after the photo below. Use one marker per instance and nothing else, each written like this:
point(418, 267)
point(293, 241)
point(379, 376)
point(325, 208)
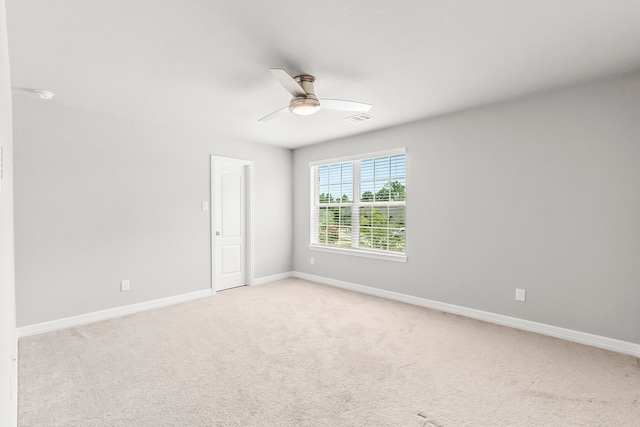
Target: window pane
point(334, 174)
point(323, 196)
point(334, 191)
point(382, 168)
point(332, 235)
point(365, 238)
point(347, 193)
point(324, 217)
point(379, 238)
point(347, 172)
point(396, 216)
point(398, 190)
point(324, 220)
point(380, 217)
point(345, 216)
point(336, 215)
point(334, 225)
point(323, 175)
point(344, 236)
point(382, 228)
point(366, 170)
point(382, 191)
point(322, 234)
point(398, 166)
point(366, 216)
point(366, 191)
point(396, 240)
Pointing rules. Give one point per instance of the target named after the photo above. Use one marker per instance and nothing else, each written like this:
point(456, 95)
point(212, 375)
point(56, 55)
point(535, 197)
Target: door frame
point(249, 192)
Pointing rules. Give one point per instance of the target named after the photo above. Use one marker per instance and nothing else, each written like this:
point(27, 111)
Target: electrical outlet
point(124, 286)
point(205, 206)
point(521, 295)
point(312, 261)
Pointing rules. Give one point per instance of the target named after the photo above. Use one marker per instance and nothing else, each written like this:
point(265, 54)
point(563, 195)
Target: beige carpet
point(295, 353)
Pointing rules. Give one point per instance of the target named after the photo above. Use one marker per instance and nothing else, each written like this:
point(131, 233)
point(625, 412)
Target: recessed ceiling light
point(44, 94)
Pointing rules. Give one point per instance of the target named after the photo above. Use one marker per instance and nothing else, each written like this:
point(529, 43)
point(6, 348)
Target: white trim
point(250, 222)
point(392, 152)
point(513, 322)
point(96, 316)
point(359, 252)
point(274, 278)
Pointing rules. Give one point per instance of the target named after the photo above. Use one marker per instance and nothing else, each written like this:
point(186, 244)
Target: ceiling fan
point(304, 101)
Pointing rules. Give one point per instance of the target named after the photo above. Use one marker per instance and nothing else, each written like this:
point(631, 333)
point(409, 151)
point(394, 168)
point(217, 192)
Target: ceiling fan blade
point(343, 105)
point(273, 115)
point(289, 83)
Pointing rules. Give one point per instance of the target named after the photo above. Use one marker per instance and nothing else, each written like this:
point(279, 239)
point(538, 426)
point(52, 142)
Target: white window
point(358, 205)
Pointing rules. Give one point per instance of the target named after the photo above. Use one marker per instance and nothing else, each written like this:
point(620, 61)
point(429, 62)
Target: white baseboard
point(275, 277)
point(68, 322)
point(513, 322)
point(527, 325)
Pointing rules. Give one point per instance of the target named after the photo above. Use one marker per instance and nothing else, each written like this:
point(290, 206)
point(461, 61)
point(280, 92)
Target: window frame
point(355, 206)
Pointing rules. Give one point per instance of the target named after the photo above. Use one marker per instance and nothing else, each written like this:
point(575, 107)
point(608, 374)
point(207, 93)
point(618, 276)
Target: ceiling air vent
point(359, 118)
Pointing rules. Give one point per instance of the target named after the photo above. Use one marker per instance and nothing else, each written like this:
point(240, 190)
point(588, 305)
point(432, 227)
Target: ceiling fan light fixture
point(304, 106)
point(304, 101)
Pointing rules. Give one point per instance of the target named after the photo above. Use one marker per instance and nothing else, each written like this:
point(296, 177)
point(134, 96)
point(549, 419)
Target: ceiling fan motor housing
point(305, 105)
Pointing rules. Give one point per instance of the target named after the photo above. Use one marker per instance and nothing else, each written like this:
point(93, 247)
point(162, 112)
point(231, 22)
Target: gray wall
point(540, 193)
point(100, 199)
point(8, 403)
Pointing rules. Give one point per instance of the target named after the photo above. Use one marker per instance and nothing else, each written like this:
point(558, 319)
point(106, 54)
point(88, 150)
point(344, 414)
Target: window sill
point(360, 253)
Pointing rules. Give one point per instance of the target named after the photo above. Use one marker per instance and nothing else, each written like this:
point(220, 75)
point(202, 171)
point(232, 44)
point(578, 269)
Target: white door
point(229, 223)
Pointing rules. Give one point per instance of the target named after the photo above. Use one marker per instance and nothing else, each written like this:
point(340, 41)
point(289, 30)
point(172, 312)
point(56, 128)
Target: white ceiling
point(205, 63)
